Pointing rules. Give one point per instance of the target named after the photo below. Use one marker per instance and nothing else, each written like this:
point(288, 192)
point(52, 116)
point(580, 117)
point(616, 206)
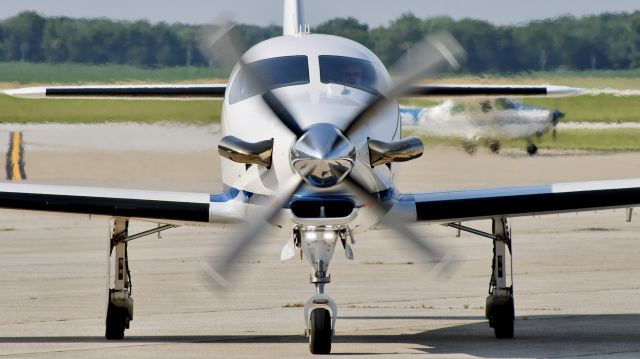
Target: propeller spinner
point(323, 156)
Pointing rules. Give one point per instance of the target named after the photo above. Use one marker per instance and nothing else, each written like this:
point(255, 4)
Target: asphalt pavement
point(577, 276)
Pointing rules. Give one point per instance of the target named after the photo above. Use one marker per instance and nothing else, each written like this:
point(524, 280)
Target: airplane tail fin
point(293, 17)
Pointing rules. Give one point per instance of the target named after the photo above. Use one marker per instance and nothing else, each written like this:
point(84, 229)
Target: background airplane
point(490, 120)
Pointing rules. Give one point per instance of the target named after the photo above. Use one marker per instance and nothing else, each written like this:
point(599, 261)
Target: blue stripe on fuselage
point(232, 193)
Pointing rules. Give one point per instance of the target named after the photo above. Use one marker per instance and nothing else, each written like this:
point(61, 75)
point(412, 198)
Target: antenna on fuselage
point(293, 21)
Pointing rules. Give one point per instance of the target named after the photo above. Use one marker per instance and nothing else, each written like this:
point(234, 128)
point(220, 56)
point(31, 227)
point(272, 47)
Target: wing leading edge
point(167, 91)
point(123, 91)
point(157, 206)
point(463, 90)
point(456, 206)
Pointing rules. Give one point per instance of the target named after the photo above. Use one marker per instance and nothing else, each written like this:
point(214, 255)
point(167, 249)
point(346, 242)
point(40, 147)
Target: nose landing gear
point(320, 311)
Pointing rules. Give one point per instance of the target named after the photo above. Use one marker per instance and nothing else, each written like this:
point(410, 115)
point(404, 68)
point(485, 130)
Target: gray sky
point(263, 12)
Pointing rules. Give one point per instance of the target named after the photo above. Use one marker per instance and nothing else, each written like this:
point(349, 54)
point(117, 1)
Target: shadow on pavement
point(536, 336)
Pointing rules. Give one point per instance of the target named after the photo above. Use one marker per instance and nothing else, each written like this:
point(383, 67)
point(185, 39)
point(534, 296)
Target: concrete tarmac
point(577, 276)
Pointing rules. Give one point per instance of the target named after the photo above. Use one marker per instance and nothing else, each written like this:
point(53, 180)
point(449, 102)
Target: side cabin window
point(458, 109)
point(271, 74)
point(352, 72)
point(504, 104)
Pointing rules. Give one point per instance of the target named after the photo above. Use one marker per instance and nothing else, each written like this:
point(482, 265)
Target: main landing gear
point(120, 302)
point(499, 308)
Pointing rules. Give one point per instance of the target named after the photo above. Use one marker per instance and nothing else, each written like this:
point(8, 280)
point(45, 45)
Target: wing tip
point(563, 90)
point(27, 92)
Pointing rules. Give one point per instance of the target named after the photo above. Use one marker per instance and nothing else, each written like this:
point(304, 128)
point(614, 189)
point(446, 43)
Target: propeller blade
point(556, 116)
point(218, 46)
point(219, 272)
point(432, 55)
point(281, 112)
point(215, 42)
point(443, 260)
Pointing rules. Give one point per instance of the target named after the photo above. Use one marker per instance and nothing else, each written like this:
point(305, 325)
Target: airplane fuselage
point(308, 72)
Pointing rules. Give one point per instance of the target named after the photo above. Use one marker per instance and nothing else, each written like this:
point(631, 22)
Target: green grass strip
point(15, 110)
point(581, 140)
point(29, 73)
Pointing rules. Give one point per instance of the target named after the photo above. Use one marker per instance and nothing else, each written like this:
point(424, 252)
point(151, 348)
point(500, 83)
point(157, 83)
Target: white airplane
point(492, 120)
point(312, 136)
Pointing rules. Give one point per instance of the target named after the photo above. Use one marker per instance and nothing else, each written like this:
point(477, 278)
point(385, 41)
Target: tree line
point(609, 41)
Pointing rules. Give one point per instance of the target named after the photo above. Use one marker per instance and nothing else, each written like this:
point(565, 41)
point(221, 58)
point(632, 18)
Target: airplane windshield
point(274, 73)
point(348, 71)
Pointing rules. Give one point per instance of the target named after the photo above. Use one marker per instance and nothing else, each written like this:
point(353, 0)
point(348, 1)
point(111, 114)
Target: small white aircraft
point(492, 120)
point(312, 136)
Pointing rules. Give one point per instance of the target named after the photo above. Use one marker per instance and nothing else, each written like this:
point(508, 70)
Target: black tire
point(116, 322)
point(532, 149)
point(470, 147)
point(320, 331)
point(494, 146)
point(502, 319)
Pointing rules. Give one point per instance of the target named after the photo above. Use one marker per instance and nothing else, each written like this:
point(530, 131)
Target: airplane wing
point(156, 206)
point(218, 91)
point(463, 90)
point(458, 206)
point(127, 91)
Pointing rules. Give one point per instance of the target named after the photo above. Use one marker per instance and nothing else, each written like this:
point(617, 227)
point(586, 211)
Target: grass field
point(601, 108)
point(15, 110)
point(579, 140)
point(620, 80)
point(20, 73)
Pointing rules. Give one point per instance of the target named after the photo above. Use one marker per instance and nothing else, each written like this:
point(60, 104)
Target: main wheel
point(501, 315)
point(494, 146)
point(532, 149)
point(470, 147)
point(116, 322)
point(320, 331)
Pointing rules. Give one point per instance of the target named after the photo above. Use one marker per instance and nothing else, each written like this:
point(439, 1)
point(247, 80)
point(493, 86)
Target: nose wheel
point(320, 331)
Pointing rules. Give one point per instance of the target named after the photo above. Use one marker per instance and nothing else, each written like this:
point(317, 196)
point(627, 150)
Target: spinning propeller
point(556, 116)
point(323, 155)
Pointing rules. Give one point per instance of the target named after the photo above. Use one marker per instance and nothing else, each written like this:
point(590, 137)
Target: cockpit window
point(349, 71)
point(273, 73)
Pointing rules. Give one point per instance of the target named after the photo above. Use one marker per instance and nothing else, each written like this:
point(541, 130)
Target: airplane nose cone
point(323, 156)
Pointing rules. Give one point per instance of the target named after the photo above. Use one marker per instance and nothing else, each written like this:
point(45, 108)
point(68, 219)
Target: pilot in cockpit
point(352, 75)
